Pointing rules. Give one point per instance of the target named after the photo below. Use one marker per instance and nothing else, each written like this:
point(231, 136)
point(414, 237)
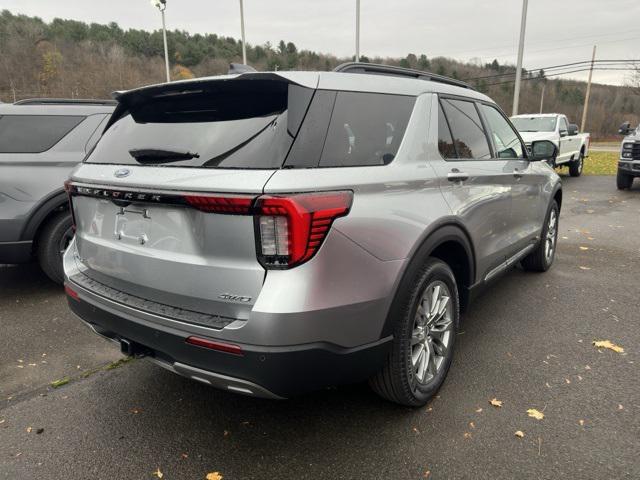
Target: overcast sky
point(558, 31)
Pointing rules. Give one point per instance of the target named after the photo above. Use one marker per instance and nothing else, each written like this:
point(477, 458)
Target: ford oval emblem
point(122, 172)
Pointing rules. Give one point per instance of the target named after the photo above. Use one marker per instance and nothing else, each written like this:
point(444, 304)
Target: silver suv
point(275, 233)
point(41, 140)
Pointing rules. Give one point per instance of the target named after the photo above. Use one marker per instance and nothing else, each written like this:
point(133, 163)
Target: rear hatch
point(161, 203)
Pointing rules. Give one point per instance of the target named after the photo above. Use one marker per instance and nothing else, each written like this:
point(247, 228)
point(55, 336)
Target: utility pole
point(544, 86)
point(586, 97)
point(357, 30)
point(244, 47)
point(523, 25)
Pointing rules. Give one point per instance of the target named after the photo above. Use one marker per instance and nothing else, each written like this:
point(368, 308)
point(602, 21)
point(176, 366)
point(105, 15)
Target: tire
point(52, 240)
point(575, 166)
point(541, 259)
point(422, 348)
point(623, 181)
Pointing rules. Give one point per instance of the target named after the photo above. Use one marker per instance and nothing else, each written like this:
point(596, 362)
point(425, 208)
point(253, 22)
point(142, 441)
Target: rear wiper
point(154, 155)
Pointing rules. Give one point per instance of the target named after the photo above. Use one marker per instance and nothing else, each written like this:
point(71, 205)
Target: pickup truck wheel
point(53, 240)
point(623, 181)
point(423, 338)
point(575, 166)
point(541, 259)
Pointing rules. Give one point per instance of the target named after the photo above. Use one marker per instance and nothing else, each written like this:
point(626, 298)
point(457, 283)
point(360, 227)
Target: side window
point(445, 140)
point(468, 134)
point(366, 129)
point(34, 133)
point(563, 124)
point(507, 143)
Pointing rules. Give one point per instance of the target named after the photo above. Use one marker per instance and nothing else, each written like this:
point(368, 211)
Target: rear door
point(566, 142)
point(476, 185)
point(162, 203)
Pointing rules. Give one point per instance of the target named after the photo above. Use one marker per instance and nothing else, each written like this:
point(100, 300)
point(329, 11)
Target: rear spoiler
point(130, 98)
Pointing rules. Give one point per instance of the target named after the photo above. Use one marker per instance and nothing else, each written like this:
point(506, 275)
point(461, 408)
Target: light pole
point(162, 6)
point(244, 48)
point(357, 30)
point(523, 25)
point(586, 98)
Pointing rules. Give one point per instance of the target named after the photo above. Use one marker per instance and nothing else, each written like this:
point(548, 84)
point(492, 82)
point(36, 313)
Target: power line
point(628, 69)
point(551, 68)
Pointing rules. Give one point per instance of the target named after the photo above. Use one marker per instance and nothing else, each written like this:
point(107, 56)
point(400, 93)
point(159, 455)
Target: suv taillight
point(291, 228)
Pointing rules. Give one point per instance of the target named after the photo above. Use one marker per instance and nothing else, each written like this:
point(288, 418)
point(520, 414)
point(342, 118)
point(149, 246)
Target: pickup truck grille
point(635, 151)
point(188, 316)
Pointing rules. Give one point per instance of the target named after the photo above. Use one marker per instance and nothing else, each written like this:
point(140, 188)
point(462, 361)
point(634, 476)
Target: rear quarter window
point(365, 129)
point(34, 133)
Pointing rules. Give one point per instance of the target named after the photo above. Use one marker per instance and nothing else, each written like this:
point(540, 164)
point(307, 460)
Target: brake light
point(290, 229)
point(71, 292)
point(234, 205)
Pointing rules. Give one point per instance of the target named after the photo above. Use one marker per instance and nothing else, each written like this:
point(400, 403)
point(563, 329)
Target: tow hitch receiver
point(132, 349)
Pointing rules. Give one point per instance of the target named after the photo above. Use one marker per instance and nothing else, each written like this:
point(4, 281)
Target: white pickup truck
point(572, 146)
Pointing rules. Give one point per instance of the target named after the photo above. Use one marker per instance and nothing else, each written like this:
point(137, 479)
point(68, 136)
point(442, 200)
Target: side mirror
point(563, 133)
point(625, 129)
point(573, 129)
point(542, 150)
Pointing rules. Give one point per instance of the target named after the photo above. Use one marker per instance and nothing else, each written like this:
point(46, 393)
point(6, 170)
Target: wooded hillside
point(67, 58)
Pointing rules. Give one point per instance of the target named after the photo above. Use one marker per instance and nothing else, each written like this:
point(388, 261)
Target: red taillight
point(291, 228)
point(210, 344)
point(234, 205)
point(71, 292)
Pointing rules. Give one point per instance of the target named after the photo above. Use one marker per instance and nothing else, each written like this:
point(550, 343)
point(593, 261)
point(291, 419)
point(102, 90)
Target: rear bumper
point(16, 252)
point(272, 372)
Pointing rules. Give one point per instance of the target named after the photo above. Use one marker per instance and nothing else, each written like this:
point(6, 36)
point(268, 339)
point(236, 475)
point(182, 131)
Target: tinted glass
point(34, 133)
point(445, 141)
point(240, 124)
point(467, 130)
point(365, 129)
point(506, 140)
point(534, 124)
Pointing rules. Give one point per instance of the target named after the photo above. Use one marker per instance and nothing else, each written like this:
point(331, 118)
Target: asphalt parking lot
point(527, 342)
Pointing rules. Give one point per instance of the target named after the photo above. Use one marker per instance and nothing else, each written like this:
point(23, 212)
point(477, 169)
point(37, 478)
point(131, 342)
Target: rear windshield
point(534, 124)
point(257, 124)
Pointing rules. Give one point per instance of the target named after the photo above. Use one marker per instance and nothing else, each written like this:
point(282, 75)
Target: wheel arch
point(449, 242)
point(53, 203)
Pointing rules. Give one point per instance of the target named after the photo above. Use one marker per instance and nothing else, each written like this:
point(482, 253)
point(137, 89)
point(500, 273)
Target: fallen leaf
point(472, 425)
point(580, 377)
point(519, 434)
point(2, 421)
point(39, 431)
point(29, 429)
point(567, 380)
point(426, 474)
point(32, 364)
point(584, 248)
point(584, 268)
point(478, 410)
point(495, 402)
point(608, 344)
point(184, 455)
point(587, 367)
point(415, 430)
point(59, 383)
point(213, 476)
point(620, 407)
point(135, 411)
point(538, 415)
point(226, 433)
point(467, 435)
point(581, 422)
point(158, 473)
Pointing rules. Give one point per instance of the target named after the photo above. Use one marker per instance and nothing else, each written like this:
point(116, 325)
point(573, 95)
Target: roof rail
point(64, 101)
point(377, 69)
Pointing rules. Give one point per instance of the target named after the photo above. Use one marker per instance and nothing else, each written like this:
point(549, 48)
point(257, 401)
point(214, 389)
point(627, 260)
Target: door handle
point(517, 173)
point(457, 176)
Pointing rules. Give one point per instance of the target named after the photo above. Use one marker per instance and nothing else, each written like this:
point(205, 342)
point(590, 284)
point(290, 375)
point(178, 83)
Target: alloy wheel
point(432, 333)
point(552, 235)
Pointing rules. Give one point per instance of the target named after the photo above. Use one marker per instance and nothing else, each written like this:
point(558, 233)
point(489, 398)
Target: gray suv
point(274, 233)
point(41, 140)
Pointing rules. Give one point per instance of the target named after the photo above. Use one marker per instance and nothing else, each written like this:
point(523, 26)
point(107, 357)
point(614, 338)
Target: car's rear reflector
point(291, 228)
point(213, 345)
point(71, 292)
